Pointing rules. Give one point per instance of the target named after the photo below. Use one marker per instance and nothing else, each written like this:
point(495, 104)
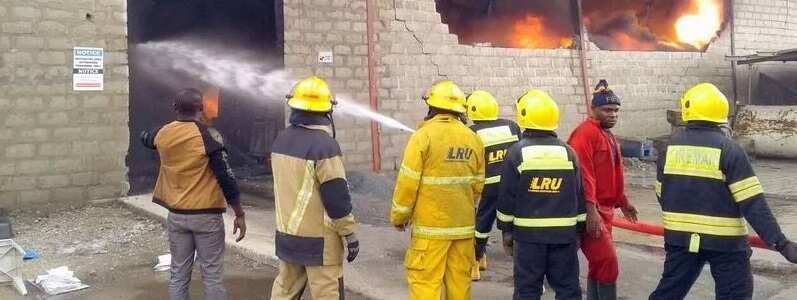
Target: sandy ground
point(112, 249)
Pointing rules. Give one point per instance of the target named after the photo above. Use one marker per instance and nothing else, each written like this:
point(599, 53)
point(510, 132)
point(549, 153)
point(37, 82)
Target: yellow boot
point(483, 263)
point(475, 274)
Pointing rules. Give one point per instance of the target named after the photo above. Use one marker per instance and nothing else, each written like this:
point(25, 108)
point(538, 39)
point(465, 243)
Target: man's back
point(185, 180)
point(441, 178)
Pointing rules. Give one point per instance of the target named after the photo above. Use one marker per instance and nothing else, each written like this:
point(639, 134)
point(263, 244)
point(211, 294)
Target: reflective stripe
point(428, 180)
point(545, 222)
point(443, 231)
point(303, 199)
point(658, 188)
point(496, 136)
point(748, 193)
point(493, 180)
point(401, 209)
point(704, 224)
point(582, 217)
point(407, 171)
point(504, 217)
point(694, 161)
point(482, 235)
point(545, 158)
point(746, 188)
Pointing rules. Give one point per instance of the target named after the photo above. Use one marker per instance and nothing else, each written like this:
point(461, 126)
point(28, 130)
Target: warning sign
point(87, 69)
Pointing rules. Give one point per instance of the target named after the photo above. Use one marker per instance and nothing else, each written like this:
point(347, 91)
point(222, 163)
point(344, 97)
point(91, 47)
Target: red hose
point(654, 229)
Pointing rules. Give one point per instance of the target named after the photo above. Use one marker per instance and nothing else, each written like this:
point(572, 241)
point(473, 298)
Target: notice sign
point(325, 57)
point(87, 69)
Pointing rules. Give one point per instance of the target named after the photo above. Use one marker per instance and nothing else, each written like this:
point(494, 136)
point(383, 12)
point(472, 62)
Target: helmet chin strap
point(332, 122)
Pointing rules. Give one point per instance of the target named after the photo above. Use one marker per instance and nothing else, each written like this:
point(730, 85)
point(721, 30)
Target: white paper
point(58, 281)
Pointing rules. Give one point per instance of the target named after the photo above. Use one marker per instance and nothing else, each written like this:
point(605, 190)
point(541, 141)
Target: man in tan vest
point(195, 184)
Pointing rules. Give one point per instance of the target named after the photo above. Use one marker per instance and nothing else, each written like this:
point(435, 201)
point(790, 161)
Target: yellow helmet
point(704, 102)
point(537, 110)
point(482, 106)
point(311, 94)
point(445, 94)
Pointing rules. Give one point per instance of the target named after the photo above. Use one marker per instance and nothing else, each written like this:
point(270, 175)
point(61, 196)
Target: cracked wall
point(415, 49)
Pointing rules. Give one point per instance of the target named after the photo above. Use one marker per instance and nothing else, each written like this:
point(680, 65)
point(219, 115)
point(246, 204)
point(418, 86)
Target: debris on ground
point(30, 254)
point(59, 281)
point(162, 263)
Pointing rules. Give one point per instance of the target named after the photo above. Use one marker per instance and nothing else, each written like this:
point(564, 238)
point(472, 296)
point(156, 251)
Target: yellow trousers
point(325, 282)
point(432, 264)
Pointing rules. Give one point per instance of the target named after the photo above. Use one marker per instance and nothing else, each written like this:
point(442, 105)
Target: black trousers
point(558, 263)
point(733, 278)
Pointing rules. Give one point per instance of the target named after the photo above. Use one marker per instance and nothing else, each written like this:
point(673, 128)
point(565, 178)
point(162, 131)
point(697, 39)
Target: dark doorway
point(248, 127)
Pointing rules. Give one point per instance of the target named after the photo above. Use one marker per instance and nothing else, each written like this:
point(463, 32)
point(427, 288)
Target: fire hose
point(654, 229)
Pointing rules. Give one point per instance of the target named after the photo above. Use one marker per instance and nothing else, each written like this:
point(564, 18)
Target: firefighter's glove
point(509, 242)
point(481, 247)
point(789, 251)
point(353, 246)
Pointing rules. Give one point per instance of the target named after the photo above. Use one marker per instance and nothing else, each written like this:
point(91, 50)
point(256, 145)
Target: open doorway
point(248, 126)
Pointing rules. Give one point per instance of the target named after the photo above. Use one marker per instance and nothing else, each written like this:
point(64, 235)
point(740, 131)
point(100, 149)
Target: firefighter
point(196, 185)
point(541, 203)
point(602, 170)
point(707, 189)
point(313, 205)
point(497, 135)
point(438, 187)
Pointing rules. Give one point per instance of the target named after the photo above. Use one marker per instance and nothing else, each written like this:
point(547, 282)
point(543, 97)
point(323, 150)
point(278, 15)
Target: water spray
point(236, 72)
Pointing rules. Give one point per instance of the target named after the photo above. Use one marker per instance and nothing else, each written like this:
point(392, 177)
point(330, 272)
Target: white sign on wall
point(87, 69)
point(325, 57)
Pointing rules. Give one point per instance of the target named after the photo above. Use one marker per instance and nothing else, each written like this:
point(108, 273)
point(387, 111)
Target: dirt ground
point(113, 250)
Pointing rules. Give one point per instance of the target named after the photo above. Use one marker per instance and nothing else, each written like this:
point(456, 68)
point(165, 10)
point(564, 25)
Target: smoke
point(233, 70)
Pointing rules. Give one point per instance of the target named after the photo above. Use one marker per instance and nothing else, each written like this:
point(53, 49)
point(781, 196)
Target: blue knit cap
point(603, 95)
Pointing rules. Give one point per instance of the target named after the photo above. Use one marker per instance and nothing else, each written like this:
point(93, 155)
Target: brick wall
point(57, 146)
point(417, 49)
point(337, 26)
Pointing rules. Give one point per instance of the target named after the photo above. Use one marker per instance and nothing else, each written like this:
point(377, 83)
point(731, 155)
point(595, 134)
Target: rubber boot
point(607, 291)
point(483, 263)
point(475, 274)
point(592, 290)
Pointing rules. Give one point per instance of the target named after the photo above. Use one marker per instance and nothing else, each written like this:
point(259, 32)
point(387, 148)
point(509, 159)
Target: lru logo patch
point(545, 185)
point(459, 154)
point(496, 156)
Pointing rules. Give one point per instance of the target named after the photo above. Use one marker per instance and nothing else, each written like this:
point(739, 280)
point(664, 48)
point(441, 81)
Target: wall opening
point(538, 24)
point(247, 125)
point(629, 25)
point(654, 25)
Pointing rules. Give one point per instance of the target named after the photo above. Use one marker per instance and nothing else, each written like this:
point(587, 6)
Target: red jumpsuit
point(602, 169)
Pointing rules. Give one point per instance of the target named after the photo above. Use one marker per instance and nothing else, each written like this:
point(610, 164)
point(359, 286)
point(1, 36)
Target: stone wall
point(59, 147)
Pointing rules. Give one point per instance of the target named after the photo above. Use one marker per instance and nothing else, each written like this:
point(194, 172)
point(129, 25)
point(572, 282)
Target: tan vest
point(185, 181)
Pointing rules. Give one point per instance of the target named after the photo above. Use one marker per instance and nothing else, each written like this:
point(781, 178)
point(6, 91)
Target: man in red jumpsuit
point(602, 170)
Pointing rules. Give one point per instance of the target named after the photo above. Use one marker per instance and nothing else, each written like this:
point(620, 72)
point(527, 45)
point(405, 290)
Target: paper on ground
point(163, 263)
point(58, 281)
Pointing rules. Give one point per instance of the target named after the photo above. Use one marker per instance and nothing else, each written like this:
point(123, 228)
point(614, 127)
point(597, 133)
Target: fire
point(532, 32)
point(699, 29)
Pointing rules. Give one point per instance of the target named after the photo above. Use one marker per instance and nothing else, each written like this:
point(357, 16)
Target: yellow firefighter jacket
point(313, 205)
point(440, 181)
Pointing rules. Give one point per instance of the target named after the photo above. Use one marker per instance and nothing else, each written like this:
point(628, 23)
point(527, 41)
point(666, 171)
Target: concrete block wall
point(765, 25)
point(417, 49)
point(339, 26)
point(59, 147)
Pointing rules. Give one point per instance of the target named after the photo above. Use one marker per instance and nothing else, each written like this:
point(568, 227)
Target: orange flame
point(532, 32)
point(699, 29)
point(210, 103)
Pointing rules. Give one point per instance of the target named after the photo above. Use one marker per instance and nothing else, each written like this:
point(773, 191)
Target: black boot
point(607, 291)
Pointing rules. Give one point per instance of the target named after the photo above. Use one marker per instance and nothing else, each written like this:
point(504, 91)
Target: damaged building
point(61, 146)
